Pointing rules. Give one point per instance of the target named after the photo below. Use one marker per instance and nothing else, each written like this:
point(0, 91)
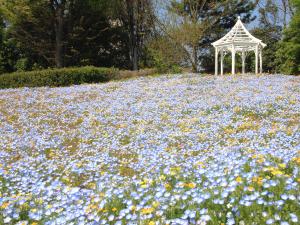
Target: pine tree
point(288, 53)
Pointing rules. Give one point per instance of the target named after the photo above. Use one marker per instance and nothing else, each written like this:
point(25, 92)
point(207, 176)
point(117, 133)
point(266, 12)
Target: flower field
point(181, 149)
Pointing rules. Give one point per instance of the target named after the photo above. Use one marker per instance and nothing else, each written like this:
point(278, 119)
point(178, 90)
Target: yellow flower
point(147, 210)
point(4, 205)
point(190, 185)
point(250, 188)
point(39, 201)
point(297, 160)
point(257, 180)
point(133, 208)
point(175, 170)
point(155, 204)
point(292, 102)
point(162, 177)
point(236, 109)
point(276, 172)
point(168, 186)
point(282, 165)
point(114, 209)
point(201, 164)
point(34, 223)
point(260, 160)
point(151, 223)
point(239, 179)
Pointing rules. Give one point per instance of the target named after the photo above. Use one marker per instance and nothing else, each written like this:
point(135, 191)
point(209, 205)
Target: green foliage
point(57, 77)
point(90, 35)
point(288, 54)
point(165, 55)
point(22, 64)
point(271, 37)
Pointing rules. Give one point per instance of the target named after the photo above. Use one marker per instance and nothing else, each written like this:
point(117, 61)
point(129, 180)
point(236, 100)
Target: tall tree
point(138, 17)
point(38, 26)
point(68, 33)
point(270, 32)
point(288, 53)
point(60, 10)
point(96, 37)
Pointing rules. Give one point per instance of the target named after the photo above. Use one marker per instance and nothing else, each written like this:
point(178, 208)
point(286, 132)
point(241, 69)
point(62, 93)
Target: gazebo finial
point(238, 40)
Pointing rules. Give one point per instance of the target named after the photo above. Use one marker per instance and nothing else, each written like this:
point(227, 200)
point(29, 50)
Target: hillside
point(180, 149)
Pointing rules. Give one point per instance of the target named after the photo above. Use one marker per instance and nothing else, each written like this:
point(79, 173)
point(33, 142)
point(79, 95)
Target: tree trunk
point(132, 35)
point(195, 60)
point(284, 5)
point(59, 30)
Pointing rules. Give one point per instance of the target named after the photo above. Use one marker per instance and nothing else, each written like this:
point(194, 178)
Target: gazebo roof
point(240, 38)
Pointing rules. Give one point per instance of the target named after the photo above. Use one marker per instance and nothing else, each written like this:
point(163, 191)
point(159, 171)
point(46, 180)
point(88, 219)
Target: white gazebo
point(238, 40)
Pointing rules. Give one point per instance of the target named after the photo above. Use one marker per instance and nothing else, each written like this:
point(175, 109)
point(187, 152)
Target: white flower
point(7, 220)
point(294, 218)
point(277, 217)
point(284, 223)
point(22, 222)
point(205, 218)
point(230, 221)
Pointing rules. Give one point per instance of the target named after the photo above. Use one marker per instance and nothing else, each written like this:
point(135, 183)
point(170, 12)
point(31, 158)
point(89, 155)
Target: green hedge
point(57, 77)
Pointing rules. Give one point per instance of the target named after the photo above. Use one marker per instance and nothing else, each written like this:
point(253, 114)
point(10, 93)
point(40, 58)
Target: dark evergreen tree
point(288, 54)
point(270, 32)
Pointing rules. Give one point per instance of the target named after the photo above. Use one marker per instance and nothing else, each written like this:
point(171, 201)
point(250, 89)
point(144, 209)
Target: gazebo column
point(233, 60)
point(256, 59)
point(222, 60)
point(243, 61)
point(260, 61)
point(216, 61)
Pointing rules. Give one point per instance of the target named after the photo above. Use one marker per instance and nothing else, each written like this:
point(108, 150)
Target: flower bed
point(179, 149)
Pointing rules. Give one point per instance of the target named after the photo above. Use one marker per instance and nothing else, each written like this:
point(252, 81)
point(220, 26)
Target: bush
point(125, 74)
point(166, 56)
point(57, 77)
point(22, 65)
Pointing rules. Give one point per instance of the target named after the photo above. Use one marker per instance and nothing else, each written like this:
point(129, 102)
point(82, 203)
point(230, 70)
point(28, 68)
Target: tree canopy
point(289, 51)
point(133, 34)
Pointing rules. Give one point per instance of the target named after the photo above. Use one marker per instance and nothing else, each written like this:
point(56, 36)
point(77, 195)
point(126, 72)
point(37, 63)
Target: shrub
point(57, 77)
point(124, 74)
point(166, 56)
point(22, 65)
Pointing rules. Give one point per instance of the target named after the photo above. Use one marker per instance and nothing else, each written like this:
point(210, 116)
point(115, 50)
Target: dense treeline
point(134, 34)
